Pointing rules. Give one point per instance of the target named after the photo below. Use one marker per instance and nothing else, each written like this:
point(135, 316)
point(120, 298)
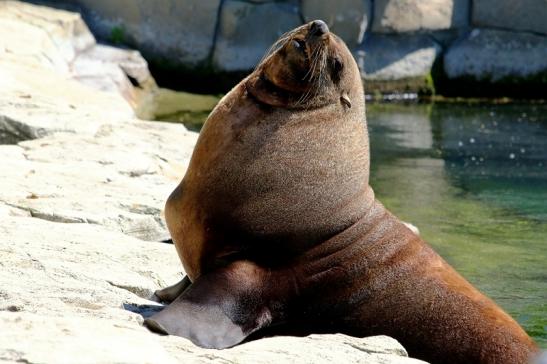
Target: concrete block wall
point(401, 45)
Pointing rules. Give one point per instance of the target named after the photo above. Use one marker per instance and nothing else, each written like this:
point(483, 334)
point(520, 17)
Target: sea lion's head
point(308, 67)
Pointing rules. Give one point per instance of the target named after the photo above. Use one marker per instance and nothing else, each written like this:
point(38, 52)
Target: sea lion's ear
point(219, 310)
point(345, 99)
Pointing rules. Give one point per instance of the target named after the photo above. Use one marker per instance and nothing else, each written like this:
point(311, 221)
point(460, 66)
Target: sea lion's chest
point(277, 173)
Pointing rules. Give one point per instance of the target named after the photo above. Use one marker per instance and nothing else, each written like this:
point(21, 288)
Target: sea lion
point(276, 225)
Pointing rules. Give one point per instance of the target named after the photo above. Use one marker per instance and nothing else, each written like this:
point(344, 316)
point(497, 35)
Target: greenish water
point(474, 181)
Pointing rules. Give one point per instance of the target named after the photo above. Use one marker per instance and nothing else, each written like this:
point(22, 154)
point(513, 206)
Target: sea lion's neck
point(264, 91)
point(365, 246)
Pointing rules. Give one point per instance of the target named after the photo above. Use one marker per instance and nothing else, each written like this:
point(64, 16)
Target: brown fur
point(276, 206)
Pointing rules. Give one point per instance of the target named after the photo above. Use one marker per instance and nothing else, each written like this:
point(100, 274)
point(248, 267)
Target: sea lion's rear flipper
point(219, 310)
point(169, 294)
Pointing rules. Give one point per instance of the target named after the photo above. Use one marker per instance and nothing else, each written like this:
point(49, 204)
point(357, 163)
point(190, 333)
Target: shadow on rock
point(144, 310)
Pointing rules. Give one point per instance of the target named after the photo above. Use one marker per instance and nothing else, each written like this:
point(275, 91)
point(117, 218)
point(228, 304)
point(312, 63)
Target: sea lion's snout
point(318, 28)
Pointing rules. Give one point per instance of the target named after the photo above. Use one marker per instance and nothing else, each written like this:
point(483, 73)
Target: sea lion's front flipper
point(219, 310)
point(169, 294)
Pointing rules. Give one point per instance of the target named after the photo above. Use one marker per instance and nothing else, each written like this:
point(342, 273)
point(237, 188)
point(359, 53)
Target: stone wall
point(401, 45)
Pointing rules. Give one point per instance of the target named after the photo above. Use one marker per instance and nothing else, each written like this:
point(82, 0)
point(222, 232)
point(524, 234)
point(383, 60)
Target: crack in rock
point(16, 356)
point(59, 218)
point(142, 292)
point(15, 131)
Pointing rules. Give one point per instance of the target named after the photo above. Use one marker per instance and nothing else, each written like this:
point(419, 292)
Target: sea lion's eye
point(299, 44)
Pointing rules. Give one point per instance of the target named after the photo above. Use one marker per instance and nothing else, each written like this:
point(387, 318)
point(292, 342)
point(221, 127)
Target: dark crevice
point(370, 20)
point(138, 291)
point(7, 138)
point(216, 32)
point(13, 131)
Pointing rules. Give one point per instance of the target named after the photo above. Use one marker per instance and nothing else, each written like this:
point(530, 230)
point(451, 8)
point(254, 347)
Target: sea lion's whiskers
point(321, 59)
point(317, 68)
point(324, 58)
point(318, 79)
point(321, 65)
point(313, 68)
point(303, 98)
point(311, 71)
point(312, 60)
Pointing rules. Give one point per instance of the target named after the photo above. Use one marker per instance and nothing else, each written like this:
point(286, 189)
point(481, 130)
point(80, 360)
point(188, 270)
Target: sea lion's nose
point(318, 28)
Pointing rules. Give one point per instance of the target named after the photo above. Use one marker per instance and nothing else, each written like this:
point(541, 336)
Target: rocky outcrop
point(60, 41)
point(402, 60)
point(82, 190)
point(30, 107)
point(400, 16)
point(113, 69)
point(52, 38)
point(523, 15)
point(499, 58)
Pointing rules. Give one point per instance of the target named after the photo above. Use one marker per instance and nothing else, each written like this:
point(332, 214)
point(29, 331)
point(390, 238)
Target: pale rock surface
point(7, 210)
point(115, 70)
point(313, 349)
point(247, 31)
point(494, 55)
point(60, 41)
point(63, 32)
point(31, 46)
point(399, 16)
point(77, 293)
point(118, 177)
point(348, 19)
point(526, 15)
point(82, 190)
point(81, 165)
point(36, 101)
point(57, 270)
